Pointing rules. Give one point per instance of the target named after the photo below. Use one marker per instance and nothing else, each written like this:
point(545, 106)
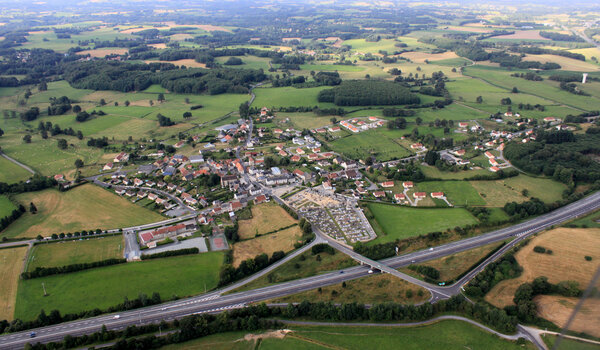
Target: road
point(17, 163)
point(214, 302)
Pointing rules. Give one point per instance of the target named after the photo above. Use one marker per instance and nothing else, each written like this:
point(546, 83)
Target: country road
point(17, 163)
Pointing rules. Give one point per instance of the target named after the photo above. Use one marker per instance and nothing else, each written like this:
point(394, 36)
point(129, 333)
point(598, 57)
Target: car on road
point(370, 271)
point(116, 317)
point(430, 249)
point(442, 283)
point(341, 272)
point(32, 335)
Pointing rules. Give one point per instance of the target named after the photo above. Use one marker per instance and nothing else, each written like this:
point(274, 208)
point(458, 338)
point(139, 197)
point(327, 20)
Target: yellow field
point(422, 56)
point(283, 240)
point(185, 62)
point(11, 265)
point(523, 34)
point(588, 53)
point(567, 262)
point(86, 207)
point(103, 52)
point(558, 309)
point(566, 63)
point(369, 290)
point(266, 217)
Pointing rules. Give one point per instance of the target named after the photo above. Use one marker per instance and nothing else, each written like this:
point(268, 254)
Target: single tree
point(102, 102)
point(479, 99)
point(1, 132)
point(27, 138)
point(79, 163)
point(77, 108)
point(32, 208)
point(187, 115)
point(62, 144)
point(43, 86)
point(127, 103)
point(161, 97)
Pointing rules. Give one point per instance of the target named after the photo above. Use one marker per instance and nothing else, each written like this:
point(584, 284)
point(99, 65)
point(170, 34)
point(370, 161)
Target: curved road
point(17, 163)
point(214, 302)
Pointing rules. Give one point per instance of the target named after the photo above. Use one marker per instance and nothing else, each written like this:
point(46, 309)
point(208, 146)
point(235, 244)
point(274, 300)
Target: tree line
point(36, 183)
point(48, 271)
point(169, 253)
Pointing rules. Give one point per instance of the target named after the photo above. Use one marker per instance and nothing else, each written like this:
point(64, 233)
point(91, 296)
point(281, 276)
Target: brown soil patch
point(266, 217)
point(186, 62)
point(33, 32)
point(558, 309)
point(567, 262)
point(420, 57)
point(11, 264)
point(280, 241)
point(104, 52)
point(278, 334)
point(523, 34)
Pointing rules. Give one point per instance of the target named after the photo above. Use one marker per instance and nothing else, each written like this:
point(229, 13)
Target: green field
point(85, 207)
point(568, 344)
point(289, 96)
point(545, 89)
point(401, 222)
point(379, 143)
point(106, 286)
point(11, 172)
point(545, 189)
point(6, 206)
point(448, 334)
point(75, 252)
point(433, 172)
point(459, 193)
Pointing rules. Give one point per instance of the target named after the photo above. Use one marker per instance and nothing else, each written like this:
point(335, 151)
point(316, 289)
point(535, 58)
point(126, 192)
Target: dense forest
point(563, 155)
point(125, 77)
point(368, 93)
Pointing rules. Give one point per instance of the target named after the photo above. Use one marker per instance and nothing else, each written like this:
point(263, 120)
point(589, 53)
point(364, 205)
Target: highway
point(216, 302)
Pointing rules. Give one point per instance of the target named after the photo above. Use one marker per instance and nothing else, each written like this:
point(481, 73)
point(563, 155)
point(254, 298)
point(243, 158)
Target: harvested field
point(185, 62)
point(283, 240)
point(159, 46)
point(558, 309)
point(471, 29)
point(181, 37)
point(523, 34)
point(565, 63)
point(420, 57)
point(566, 263)
point(104, 52)
point(266, 217)
point(10, 269)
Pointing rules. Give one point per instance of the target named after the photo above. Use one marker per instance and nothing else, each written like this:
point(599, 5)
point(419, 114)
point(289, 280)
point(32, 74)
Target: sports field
point(449, 334)
point(75, 252)
point(10, 270)
point(401, 222)
point(11, 172)
point(85, 207)
point(106, 286)
point(266, 217)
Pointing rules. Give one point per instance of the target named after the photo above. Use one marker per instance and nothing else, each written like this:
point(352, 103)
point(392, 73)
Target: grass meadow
point(75, 252)
point(448, 334)
point(106, 286)
point(6, 206)
point(289, 96)
point(85, 207)
point(459, 193)
point(399, 222)
point(376, 142)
